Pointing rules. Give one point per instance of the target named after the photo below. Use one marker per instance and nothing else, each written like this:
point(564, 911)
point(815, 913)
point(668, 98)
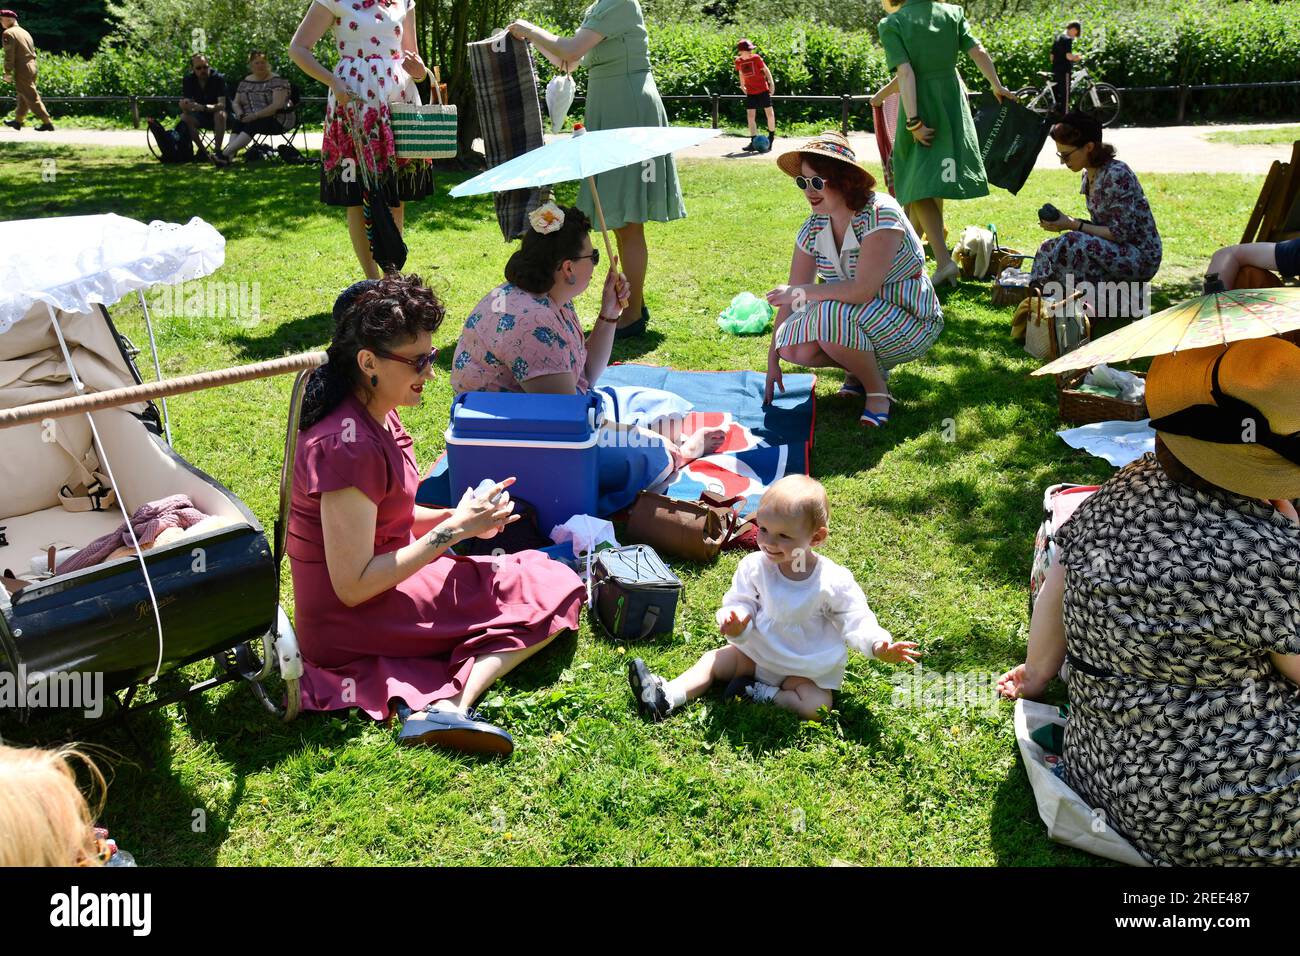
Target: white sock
point(676, 698)
point(761, 693)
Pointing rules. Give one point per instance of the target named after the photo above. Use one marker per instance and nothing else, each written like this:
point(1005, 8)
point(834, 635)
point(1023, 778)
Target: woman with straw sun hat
point(936, 155)
point(874, 308)
point(1176, 603)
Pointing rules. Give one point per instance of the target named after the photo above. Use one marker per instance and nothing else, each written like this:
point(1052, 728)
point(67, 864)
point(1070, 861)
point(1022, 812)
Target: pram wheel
point(277, 653)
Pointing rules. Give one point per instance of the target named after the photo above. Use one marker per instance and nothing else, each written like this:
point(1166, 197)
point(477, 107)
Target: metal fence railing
point(846, 101)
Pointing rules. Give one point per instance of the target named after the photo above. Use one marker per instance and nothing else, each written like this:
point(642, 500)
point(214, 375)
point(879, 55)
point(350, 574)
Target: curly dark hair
point(856, 188)
point(532, 266)
point(375, 314)
point(1079, 129)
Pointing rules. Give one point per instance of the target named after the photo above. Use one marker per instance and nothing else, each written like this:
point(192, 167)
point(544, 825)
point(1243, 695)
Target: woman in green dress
point(936, 155)
point(621, 91)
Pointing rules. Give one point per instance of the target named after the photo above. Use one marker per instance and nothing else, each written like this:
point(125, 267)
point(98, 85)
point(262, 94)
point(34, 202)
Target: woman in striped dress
point(874, 307)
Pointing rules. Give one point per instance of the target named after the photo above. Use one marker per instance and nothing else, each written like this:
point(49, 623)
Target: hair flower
point(547, 218)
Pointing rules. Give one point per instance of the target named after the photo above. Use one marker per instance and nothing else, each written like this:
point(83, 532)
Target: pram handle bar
point(130, 395)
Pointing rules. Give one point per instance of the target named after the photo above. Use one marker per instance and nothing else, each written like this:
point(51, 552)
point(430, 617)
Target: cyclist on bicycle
point(1063, 60)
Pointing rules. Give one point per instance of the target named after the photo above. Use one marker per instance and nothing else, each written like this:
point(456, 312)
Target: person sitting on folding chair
point(203, 105)
point(1247, 265)
point(258, 107)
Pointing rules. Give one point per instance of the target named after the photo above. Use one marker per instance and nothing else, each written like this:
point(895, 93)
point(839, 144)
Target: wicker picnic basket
point(425, 131)
point(1084, 408)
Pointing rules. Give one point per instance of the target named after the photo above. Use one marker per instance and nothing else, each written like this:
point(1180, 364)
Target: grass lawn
point(939, 533)
point(1276, 136)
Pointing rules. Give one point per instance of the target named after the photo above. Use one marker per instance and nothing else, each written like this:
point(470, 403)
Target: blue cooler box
point(548, 442)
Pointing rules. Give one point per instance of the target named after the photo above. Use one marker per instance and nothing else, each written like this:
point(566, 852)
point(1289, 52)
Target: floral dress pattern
point(512, 336)
point(368, 37)
point(1181, 730)
point(1118, 203)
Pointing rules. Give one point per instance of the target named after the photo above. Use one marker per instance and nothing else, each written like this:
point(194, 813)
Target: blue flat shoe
point(465, 733)
point(851, 389)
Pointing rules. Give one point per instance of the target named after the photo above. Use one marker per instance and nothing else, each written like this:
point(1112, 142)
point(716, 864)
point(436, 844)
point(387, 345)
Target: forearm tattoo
point(441, 538)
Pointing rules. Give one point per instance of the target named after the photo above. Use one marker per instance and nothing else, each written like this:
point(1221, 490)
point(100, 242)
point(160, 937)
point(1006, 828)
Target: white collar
point(824, 244)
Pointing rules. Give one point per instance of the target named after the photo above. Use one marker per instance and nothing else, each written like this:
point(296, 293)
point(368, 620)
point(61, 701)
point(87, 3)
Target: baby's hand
point(734, 624)
point(902, 652)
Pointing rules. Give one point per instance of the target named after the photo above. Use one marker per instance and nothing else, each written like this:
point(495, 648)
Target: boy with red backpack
point(757, 83)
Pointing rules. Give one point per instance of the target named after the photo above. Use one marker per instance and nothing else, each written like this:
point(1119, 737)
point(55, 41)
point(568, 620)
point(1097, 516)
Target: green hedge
point(1127, 44)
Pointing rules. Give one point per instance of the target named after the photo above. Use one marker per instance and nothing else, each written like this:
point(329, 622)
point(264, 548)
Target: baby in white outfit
point(789, 618)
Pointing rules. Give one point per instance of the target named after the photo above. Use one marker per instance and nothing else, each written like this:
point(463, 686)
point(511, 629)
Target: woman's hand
point(1064, 224)
point(783, 295)
point(342, 96)
point(413, 65)
point(520, 29)
point(774, 379)
point(614, 297)
point(1002, 93)
point(923, 135)
point(1018, 684)
point(476, 516)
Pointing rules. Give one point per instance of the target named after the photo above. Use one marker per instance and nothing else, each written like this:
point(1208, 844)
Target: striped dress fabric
point(901, 323)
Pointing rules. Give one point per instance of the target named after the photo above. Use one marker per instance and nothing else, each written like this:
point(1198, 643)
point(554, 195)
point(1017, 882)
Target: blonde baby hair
point(45, 819)
point(801, 496)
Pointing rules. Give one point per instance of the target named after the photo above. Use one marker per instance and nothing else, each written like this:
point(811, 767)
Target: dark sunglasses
point(816, 182)
point(419, 364)
point(1226, 423)
point(594, 257)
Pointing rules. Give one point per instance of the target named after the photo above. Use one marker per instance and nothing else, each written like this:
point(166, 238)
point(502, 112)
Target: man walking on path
point(1063, 60)
point(20, 70)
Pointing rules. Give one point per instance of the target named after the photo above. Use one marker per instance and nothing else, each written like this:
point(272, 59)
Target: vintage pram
point(69, 475)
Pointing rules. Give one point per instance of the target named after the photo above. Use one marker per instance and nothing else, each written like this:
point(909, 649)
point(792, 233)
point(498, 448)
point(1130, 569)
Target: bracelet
point(915, 123)
point(601, 318)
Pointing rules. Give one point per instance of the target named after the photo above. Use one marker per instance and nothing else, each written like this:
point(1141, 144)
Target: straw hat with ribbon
point(830, 144)
point(1231, 414)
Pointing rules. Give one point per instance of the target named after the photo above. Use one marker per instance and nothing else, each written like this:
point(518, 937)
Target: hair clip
point(547, 218)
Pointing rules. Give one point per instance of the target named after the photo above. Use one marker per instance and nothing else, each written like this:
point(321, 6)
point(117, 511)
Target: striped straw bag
point(425, 132)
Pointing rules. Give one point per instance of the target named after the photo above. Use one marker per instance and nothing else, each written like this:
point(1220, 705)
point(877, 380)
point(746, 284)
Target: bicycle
point(1099, 100)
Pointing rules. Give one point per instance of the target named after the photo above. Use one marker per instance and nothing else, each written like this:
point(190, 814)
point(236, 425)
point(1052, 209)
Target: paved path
point(1164, 149)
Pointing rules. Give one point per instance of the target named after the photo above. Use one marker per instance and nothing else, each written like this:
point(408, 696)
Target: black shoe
point(634, 329)
point(45, 128)
point(202, 156)
point(751, 148)
point(1213, 284)
point(13, 124)
point(771, 140)
point(648, 689)
point(739, 687)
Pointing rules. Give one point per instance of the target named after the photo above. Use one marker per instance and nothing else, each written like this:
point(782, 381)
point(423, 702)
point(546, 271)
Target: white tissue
point(1130, 387)
point(585, 532)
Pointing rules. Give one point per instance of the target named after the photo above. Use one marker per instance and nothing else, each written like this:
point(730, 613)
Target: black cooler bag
point(634, 592)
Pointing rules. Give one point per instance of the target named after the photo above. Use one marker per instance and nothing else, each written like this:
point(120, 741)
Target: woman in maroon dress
point(384, 611)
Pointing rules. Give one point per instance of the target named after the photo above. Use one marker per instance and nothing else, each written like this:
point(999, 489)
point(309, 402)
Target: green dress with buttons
point(621, 91)
point(931, 36)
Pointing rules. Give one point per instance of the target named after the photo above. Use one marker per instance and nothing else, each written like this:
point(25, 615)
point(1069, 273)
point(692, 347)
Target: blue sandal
point(876, 419)
point(851, 389)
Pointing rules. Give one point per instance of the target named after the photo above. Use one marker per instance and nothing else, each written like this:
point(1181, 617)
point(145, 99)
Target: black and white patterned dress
point(1181, 729)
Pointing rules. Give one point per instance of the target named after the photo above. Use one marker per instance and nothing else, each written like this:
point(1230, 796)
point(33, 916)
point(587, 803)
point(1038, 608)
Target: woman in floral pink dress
point(377, 66)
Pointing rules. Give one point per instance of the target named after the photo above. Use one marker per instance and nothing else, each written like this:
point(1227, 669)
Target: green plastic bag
point(747, 315)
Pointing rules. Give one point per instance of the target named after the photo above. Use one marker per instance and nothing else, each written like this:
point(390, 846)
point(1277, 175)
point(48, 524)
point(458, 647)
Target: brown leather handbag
point(691, 530)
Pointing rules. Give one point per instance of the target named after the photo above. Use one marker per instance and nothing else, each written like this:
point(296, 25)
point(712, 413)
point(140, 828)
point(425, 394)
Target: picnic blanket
point(763, 443)
point(509, 116)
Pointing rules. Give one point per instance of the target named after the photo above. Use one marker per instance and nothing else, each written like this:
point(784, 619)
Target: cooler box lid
point(511, 416)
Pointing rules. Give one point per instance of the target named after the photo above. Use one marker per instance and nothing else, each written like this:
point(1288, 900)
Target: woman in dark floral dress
point(377, 66)
point(1177, 604)
point(1118, 244)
